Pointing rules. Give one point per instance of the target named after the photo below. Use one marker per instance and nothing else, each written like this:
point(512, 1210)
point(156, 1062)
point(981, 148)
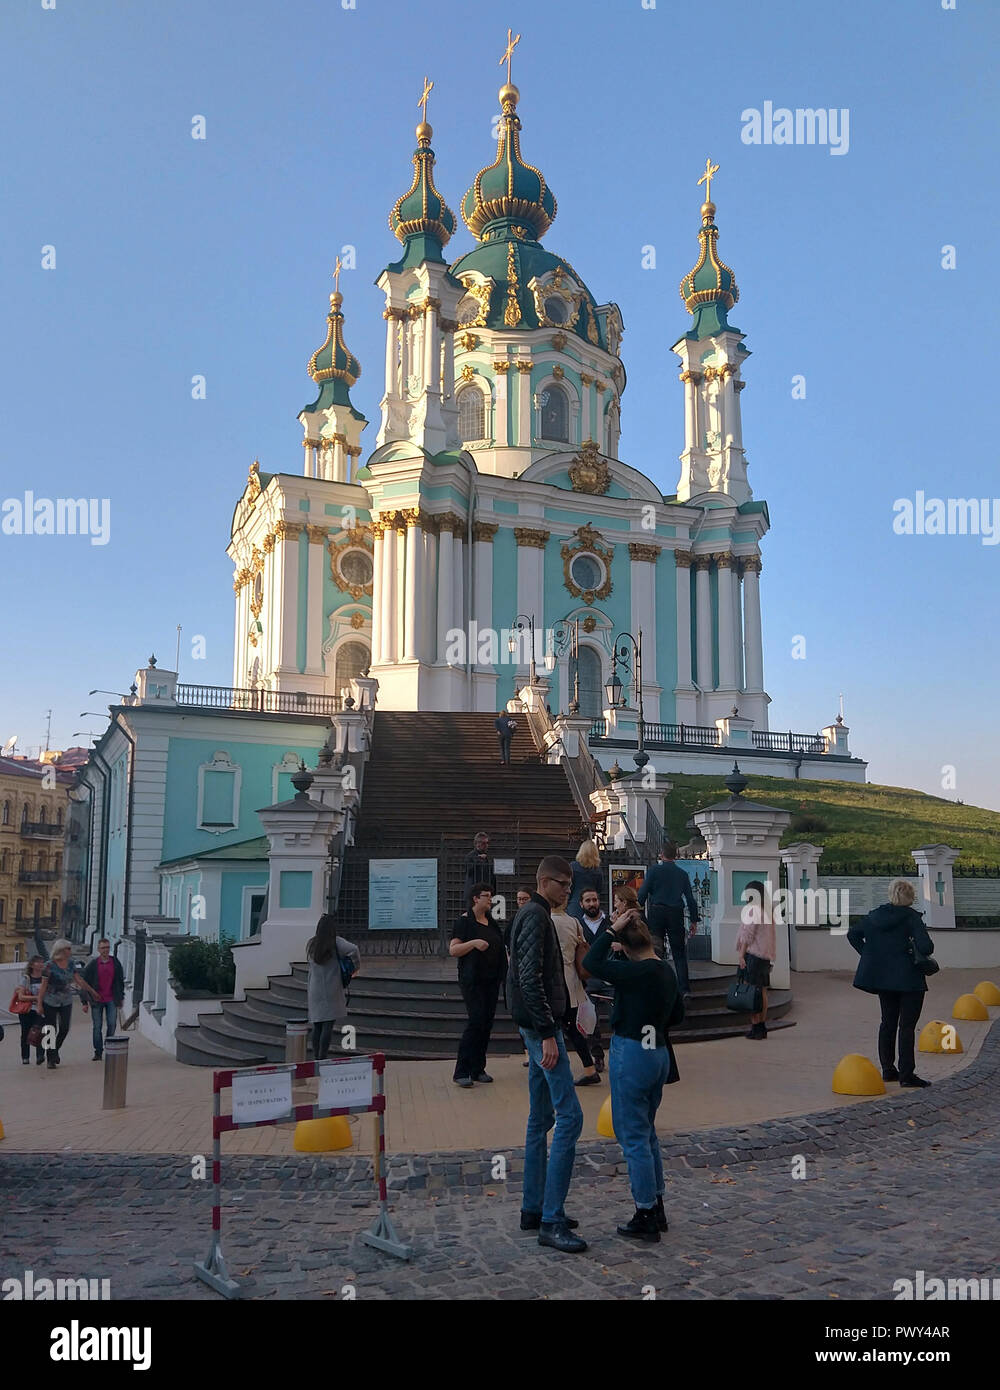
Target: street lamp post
point(521, 622)
point(566, 633)
point(627, 653)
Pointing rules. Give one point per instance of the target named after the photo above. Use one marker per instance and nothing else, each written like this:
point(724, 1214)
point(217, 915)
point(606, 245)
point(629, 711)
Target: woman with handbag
point(30, 1018)
point(573, 947)
point(895, 951)
point(647, 1004)
point(333, 961)
point(756, 948)
point(60, 978)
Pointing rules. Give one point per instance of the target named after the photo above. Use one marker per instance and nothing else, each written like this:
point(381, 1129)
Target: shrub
point(198, 964)
point(808, 825)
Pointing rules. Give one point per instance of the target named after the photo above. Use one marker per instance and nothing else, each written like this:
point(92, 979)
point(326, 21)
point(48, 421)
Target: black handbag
point(927, 965)
point(743, 997)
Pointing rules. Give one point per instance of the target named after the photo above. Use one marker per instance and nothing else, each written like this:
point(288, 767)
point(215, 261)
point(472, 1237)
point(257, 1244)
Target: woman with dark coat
point(885, 941)
point(586, 868)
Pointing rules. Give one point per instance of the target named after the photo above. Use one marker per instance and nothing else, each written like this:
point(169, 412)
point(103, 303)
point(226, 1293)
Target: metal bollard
point(296, 1034)
point(115, 1073)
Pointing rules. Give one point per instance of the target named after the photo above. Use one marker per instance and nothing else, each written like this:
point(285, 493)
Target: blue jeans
point(554, 1101)
point(100, 1013)
point(638, 1075)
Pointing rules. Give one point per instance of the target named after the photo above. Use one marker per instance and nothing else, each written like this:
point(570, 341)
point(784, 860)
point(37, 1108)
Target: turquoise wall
point(231, 897)
point(185, 756)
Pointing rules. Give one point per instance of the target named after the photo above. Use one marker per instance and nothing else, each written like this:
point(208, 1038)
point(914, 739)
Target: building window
point(587, 571)
point(353, 659)
point(219, 794)
point(3, 909)
point(357, 567)
point(556, 310)
point(6, 813)
point(591, 678)
point(555, 414)
point(37, 910)
point(19, 909)
point(471, 413)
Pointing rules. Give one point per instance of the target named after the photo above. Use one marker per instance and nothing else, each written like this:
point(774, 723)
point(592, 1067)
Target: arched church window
point(555, 414)
point(353, 659)
point(471, 413)
point(591, 678)
point(357, 567)
point(556, 310)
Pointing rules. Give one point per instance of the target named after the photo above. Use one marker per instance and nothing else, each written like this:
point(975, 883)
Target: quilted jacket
point(536, 983)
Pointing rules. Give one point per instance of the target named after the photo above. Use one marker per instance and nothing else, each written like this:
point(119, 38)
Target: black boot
point(661, 1215)
point(642, 1226)
point(558, 1236)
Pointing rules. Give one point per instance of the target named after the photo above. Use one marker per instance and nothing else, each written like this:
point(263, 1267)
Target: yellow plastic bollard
point(987, 991)
point(1, 1129)
point(937, 1036)
point(969, 1007)
point(317, 1136)
point(855, 1075)
point(604, 1126)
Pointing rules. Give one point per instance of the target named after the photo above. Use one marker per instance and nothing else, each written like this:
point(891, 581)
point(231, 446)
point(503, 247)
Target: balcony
point(44, 829)
point(257, 701)
point(30, 924)
point(38, 876)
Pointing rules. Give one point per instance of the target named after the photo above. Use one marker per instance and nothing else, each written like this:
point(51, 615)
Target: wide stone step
point(196, 1050)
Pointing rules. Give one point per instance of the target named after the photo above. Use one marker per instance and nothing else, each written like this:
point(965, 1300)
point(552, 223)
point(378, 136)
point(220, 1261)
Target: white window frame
point(221, 762)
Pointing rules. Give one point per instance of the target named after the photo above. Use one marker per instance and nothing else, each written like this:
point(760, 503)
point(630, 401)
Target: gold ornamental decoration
point(588, 472)
point(355, 538)
point(639, 551)
point(357, 621)
point(590, 542)
point(526, 535)
point(253, 482)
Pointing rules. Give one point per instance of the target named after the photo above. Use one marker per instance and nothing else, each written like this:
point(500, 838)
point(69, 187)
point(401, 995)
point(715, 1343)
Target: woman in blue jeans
point(646, 1005)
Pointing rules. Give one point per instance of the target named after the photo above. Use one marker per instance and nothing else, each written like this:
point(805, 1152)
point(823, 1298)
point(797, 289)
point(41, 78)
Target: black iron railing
point(41, 827)
point(789, 742)
point(258, 701)
point(38, 876)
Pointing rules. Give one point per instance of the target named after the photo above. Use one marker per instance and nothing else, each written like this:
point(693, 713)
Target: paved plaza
point(892, 1184)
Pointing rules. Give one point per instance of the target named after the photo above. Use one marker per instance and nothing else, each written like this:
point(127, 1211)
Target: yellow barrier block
point(604, 1126)
point(1, 1129)
point(987, 991)
point(855, 1075)
point(317, 1136)
point(937, 1036)
point(969, 1007)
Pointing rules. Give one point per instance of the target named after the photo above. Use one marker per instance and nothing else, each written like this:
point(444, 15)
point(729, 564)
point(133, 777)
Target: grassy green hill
point(864, 824)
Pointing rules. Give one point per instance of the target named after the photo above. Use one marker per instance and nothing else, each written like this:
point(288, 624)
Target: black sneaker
point(593, 1079)
point(532, 1221)
point(25, 1061)
point(465, 1081)
point(558, 1236)
point(661, 1215)
point(483, 1076)
point(913, 1081)
point(890, 1074)
point(642, 1226)
point(97, 1057)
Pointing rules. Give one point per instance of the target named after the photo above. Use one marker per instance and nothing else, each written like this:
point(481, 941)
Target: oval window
point(356, 566)
point(586, 571)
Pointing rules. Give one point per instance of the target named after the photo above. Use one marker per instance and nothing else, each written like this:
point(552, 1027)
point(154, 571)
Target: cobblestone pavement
point(902, 1183)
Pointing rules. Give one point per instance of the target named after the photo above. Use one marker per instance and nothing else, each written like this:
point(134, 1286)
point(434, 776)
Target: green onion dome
point(333, 366)
point(710, 289)
point(421, 211)
point(509, 194)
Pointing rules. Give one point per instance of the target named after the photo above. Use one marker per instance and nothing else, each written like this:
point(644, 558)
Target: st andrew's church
point(495, 488)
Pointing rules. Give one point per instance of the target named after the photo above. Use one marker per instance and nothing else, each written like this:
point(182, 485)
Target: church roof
point(421, 218)
point(333, 366)
point(710, 289)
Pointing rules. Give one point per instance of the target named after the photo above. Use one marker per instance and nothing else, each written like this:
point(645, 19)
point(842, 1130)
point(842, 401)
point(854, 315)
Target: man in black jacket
point(505, 727)
point(538, 1004)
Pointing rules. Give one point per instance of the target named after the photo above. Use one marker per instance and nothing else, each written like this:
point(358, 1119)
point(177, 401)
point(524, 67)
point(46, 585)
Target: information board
point(402, 894)
point(257, 1097)
point(342, 1084)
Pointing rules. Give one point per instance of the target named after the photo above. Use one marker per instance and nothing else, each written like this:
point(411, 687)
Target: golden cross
point(338, 267)
point(428, 88)
point(508, 52)
point(710, 172)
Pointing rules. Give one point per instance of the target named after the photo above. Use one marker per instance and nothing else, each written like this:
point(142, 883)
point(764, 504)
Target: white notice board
point(402, 894)
point(262, 1096)
point(342, 1084)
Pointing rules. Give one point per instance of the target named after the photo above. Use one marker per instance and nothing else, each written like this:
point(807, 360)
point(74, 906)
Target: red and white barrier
point(360, 1079)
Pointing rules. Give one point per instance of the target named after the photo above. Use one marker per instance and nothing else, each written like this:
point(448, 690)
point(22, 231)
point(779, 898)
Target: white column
point(691, 381)
point(530, 589)
point(289, 622)
point(428, 596)
point(412, 627)
point(727, 626)
point(643, 596)
point(682, 560)
point(432, 352)
point(339, 461)
point(445, 586)
point(461, 557)
point(483, 533)
point(314, 601)
point(377, 580)
point(500, 389)
point(389, 591)
point(524, 410)
point(391, 354)
point(703, 618)
point(753, 645)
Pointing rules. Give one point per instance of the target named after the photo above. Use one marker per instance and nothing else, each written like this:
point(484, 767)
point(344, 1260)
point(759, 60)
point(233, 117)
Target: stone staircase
point(414, 1011)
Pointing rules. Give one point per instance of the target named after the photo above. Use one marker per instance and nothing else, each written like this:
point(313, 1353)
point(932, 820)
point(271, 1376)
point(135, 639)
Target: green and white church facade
point(495, 488)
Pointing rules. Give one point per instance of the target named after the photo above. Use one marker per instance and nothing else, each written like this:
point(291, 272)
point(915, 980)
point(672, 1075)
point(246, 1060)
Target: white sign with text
point(266, 1096)
point(343, 1084)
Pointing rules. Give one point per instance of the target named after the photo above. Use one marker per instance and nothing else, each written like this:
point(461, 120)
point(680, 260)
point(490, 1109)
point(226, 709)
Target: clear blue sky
point(177, 257)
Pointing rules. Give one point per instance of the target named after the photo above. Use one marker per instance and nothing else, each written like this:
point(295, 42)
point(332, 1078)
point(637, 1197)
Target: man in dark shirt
point(667, 888)
point(538, 1004)
point(505, 727)
point(477, 942)
point(478, 869)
